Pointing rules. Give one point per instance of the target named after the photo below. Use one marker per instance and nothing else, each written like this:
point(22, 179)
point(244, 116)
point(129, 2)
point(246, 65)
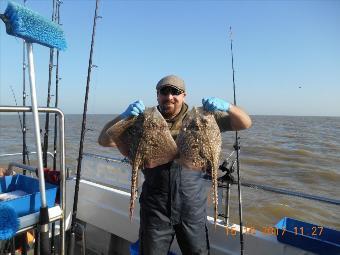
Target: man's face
point(170, 101)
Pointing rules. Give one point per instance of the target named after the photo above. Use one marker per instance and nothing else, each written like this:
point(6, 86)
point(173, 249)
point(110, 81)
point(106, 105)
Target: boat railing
point(116, 171)
point(6, 155)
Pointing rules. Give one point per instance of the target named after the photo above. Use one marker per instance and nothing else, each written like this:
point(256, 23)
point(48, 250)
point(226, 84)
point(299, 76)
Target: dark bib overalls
point(173, 202)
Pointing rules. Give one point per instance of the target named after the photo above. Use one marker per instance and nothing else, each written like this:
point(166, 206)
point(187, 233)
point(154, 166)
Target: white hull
point(106, 207)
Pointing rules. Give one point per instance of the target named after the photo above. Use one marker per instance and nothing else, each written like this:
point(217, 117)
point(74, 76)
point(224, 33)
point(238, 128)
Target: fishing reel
point(228, 167)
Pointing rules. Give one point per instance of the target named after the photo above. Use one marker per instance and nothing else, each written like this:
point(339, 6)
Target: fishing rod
point(57, 79)
point(47, 120)
point(22, 130)
point(82, 135)
point(57, 19)
point(237, 149)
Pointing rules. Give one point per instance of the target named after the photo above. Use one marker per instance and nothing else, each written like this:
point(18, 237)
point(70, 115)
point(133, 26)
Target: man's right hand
point(134, 109)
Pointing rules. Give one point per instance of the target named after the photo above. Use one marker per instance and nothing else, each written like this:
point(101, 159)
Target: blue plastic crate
point(134, 249)
point(30, 202)
point(307, 236)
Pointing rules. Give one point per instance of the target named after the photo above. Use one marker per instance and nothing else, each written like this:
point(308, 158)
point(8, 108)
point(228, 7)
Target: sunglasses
point(170, 90)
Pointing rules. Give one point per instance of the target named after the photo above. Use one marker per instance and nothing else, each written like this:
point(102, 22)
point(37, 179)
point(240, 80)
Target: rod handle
point(44, 232)
point(71, 244)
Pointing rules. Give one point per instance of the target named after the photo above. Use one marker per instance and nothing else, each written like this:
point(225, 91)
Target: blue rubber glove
point(212, 104)
point(134, 109)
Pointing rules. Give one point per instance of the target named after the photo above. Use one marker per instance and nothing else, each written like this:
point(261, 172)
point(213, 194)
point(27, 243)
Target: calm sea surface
point(294, 153)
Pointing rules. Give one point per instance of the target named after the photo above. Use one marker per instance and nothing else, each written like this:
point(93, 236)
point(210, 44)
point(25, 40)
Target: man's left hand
point(215, 104)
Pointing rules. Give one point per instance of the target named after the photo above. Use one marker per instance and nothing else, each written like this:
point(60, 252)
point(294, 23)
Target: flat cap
point(172, 81)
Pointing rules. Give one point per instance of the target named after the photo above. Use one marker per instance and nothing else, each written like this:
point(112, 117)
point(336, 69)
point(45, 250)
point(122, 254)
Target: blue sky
point(279, 46)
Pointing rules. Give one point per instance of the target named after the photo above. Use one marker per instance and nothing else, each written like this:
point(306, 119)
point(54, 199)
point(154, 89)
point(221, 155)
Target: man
point(173, 201)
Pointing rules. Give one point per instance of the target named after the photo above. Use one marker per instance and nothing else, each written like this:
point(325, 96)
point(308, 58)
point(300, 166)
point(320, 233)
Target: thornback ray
point(146, 141)
point(199, 145)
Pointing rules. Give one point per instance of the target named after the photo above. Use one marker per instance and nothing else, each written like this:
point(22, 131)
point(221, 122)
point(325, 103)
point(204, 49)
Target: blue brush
point(30, 26)
point(33, 28)
point(9, 222)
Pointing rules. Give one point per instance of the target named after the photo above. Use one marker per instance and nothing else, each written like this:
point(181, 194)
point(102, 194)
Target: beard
point(167, 109)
